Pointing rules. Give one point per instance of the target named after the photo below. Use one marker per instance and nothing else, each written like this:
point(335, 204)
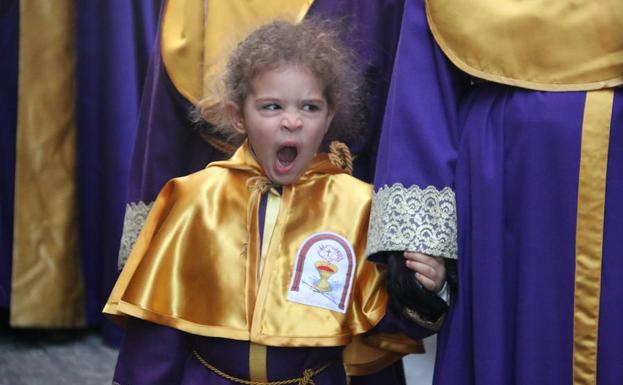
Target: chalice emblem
point(325, 270)
point(326, 267)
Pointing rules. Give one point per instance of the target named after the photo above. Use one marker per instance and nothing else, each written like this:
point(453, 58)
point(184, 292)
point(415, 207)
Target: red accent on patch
point(325, 268)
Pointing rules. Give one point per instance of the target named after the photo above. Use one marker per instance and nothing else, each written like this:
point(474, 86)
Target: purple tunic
point(152, 354)
point(142, 359)
point(511, 156)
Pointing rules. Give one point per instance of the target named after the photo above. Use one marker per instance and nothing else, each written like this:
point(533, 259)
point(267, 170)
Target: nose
point(292, 121)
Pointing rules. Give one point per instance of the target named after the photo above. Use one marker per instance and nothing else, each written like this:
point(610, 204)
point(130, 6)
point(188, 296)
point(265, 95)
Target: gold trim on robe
point(194, 265)
point(258, 370)
point(589, 233)
point(541, 45)
point(47, 283)
point(197, 36)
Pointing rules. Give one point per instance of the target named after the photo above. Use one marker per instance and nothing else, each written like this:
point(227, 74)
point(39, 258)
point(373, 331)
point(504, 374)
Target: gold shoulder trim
point(197, 36)
point(569, 46)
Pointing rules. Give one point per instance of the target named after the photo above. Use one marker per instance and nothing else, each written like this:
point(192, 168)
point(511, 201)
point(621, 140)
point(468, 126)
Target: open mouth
point(286, 155)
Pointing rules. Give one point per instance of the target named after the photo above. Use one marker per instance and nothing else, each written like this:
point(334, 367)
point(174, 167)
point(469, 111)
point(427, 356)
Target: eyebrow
point(268, 99)
point(319, 101)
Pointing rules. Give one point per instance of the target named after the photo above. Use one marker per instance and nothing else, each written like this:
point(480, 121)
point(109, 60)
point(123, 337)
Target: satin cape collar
point(194, 266)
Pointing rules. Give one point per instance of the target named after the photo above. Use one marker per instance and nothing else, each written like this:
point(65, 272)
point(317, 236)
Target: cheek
point(322, 132)
point(259, 143)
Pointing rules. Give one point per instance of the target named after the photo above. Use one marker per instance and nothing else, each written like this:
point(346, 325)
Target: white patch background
point(307, 293)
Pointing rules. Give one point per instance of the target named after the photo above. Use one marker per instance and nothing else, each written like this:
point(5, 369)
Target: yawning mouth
point(286, 155)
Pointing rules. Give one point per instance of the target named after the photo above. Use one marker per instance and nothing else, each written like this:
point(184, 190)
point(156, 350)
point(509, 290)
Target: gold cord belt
point(305, 379)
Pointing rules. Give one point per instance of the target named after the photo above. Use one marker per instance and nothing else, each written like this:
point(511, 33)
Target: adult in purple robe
point(502, 144)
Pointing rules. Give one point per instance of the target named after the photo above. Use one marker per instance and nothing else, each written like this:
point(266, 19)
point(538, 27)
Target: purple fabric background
point(371, 29)
point(114, 42)
point(9, 40)
point(167, 144)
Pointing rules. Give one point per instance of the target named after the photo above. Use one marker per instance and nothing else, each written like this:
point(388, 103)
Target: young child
point(252, 270)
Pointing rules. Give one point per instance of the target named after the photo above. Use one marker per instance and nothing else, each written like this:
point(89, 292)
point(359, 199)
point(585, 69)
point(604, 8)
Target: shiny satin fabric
point(541, 45)
point(197, 35)
point(194, 266)
point(47, 283)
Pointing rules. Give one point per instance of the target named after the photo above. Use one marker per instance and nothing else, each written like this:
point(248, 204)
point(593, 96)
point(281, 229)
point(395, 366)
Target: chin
point(285, 179)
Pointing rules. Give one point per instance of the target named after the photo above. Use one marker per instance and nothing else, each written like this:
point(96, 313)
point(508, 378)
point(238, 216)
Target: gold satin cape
point(194, 266)
point(540, 45)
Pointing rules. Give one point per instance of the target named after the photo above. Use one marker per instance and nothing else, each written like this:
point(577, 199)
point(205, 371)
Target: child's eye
point(271, 106)
point(310, 107)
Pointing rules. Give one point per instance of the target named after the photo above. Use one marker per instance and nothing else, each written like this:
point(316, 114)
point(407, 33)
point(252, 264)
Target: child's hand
point(416, 294)
point(429, 271)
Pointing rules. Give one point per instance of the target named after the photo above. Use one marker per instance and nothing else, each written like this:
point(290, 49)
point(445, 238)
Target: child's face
point(285, 117)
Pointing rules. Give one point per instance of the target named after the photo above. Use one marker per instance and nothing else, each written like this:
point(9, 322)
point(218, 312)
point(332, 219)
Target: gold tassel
point(340, 156)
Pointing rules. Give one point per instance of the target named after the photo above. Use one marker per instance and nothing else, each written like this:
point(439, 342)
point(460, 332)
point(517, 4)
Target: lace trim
point(413, 219)
point(133, 221)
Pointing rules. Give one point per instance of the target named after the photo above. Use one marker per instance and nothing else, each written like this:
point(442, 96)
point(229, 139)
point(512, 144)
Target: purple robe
point(511, 157)
point(9, 43)
point(152, 354)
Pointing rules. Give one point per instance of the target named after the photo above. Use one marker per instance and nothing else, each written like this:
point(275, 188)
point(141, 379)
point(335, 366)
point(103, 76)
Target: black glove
point(405, 291)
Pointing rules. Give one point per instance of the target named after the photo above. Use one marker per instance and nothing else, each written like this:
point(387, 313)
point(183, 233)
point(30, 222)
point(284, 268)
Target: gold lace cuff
point(414, 219)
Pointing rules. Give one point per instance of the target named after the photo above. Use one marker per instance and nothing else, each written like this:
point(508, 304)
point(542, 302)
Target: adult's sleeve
point(414, 205)
point(167, 145)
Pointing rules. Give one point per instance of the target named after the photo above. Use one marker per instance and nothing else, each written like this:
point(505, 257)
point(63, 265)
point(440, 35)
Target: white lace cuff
point(413, 219)
point(133, 221)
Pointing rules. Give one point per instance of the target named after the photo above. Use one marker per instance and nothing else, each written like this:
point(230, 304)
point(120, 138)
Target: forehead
point(290, 78)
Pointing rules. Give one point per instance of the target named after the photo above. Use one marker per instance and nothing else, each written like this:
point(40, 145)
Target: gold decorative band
point(589, 233)
point(47, 283)
point(257, 362)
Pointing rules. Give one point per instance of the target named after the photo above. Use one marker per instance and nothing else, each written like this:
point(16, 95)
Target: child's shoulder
point(198, 180)
point(352, 187)
point(355, 182)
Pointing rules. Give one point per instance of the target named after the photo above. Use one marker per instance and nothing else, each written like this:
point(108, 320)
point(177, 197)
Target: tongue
point(287, 154)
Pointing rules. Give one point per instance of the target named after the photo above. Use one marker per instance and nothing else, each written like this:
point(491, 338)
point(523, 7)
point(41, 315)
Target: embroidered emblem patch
point(323, 272)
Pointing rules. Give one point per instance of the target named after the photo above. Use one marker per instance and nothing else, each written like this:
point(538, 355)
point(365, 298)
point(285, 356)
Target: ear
point(234, 114)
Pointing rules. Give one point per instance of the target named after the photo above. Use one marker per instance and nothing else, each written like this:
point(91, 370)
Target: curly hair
point(312, 43)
